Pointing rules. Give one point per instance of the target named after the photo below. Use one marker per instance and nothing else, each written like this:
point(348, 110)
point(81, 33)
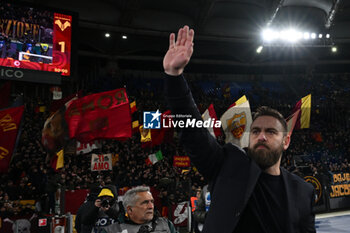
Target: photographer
point(103, 211)
point(138, 203)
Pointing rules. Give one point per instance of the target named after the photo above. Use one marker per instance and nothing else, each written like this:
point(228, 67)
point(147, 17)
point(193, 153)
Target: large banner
point(84, 148)
point(102, 162)
point(181, 161)
point(9, 125)
point(341, 185)
point(101, 115)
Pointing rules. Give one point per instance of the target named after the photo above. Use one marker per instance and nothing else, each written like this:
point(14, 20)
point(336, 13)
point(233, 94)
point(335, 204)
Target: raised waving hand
point(179, 52)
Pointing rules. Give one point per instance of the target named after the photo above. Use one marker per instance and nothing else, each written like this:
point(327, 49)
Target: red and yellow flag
point(133, 107)
point(57, 162)
point(135, 126)
point(9, 125)
point(101, 115)
point(300, 118)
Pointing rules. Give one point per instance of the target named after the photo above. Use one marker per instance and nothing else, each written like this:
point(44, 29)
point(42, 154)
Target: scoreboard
point(35, 38)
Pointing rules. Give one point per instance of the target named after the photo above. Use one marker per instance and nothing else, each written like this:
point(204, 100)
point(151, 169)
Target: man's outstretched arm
point(203, 149)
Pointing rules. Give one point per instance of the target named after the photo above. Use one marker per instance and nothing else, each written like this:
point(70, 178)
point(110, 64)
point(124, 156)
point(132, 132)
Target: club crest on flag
point(151, 120)
point(237, 124)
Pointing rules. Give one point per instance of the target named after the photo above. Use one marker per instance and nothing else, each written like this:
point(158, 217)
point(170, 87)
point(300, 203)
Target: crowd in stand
point(321, 150)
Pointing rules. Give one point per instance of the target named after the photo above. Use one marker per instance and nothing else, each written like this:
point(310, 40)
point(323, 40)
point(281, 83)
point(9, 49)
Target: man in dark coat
point(250, 193)
point(100, 211)
point(90, 200)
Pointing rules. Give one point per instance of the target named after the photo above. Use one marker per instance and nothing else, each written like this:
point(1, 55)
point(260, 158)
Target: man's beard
point(267, 157)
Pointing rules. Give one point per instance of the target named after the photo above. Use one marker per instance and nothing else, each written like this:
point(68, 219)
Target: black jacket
point(90, 200)
point(231, 173)
point(90, 214)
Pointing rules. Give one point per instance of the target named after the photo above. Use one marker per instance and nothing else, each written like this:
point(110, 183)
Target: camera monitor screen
point(35, 38)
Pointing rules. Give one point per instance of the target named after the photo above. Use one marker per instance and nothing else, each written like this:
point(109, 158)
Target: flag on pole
point(154, 158)
point(135, 126)
point(210, 113)
point(300, 119)
point(101, 115)
point(236, 123)
point(57, 161)
point(60, 159)
point(239, 101)
point(305, 112)
point(133, 107)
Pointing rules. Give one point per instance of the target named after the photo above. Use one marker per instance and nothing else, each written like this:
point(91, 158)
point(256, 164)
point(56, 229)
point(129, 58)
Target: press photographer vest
point(161, 226)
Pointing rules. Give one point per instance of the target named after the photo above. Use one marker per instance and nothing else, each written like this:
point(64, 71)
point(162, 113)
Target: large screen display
point(35, 38)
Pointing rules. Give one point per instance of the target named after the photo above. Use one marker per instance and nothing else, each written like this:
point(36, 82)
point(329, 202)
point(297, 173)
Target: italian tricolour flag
point(154, 158)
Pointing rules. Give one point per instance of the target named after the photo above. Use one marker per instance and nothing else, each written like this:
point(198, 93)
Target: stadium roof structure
point(227, 33)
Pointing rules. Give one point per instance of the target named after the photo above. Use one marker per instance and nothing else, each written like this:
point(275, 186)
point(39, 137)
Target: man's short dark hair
point(267, 111)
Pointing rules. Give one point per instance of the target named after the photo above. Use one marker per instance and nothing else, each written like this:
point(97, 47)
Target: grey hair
point(130, 197)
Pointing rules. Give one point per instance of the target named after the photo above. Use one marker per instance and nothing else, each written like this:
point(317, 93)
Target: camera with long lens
point(106, 202)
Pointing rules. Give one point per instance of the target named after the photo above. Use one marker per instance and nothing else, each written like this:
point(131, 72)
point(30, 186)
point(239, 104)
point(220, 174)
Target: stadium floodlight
point(306, 35)
point(124, 37)
point(294, 37)
point(290, 35)
point(334, 49)
point(107, 34)
point(259, 49)
point(268, 35)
